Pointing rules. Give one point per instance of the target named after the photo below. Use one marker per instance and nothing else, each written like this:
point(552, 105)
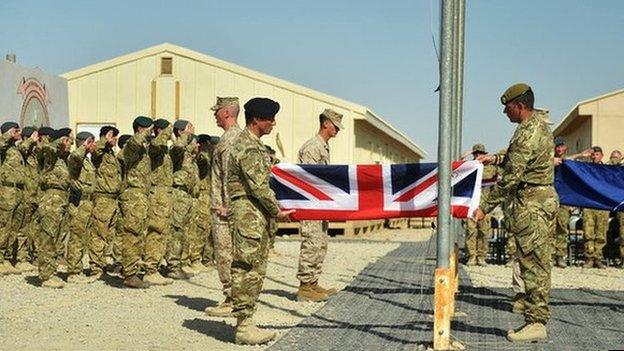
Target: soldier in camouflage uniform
point(185, 191)
point(201, 247)
point(273, 224)
point(105, 206)
point(52, 208)
point(314, 233)
point(616, 160)
point(80, 207)
point(114, 251)
point(13, 205)
point(134, 202)
point(226, 112)
point(595, 226)
point(252, 204)
point(478, 232)
point(528, 180)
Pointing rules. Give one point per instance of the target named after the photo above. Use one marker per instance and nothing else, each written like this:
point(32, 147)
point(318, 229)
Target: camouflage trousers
point(560, 240)
point(184, 207)
point(158, 228)
point(595, 226)
point(201, 247)
point(620, 217)
point(250, 252)
point(51, 217)
point(477, 236)
point(223, 252)
point(15, 216)
point(313, 250)
point(134, 207)
point(104, 230)
point(79, 223)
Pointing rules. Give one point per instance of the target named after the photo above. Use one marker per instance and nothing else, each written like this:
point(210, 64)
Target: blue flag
point(590, 185)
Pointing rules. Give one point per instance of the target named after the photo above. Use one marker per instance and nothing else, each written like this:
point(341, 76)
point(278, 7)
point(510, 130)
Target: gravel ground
point(495, 276)
point(104, 316)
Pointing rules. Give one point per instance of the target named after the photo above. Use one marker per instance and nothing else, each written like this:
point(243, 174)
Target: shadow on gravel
point(194, 303)
point(281, 293)
point(115, 282)
point(281, 282)
point(33, 280)
point(214, 329)
point(275, 307)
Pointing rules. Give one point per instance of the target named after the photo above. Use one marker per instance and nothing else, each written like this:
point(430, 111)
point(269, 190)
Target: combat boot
point(598, 264)
point(472, 261)
point(189, 271)
point(560, 262)
point(248, 334)
point(589, 263)
point(481, 261)
point(79, 279)
point(7, 268)
point(135, 282)
point(178, 274)
point(53, 282)
point(25, 267)
point(224, 309)
point(530, 332)
point(157, 279)
point(328, 292)
point(518, 304)
point(307, 292)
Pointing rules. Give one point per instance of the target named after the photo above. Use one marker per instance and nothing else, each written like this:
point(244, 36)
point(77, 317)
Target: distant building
point(32, 97)
point(176, 83)
point(597, 121)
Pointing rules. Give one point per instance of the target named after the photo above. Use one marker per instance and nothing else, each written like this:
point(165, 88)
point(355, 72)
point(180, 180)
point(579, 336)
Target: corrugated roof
point(367, 114)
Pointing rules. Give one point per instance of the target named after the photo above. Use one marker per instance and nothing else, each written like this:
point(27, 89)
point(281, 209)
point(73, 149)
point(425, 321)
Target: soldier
point(80, 208)
point(12, 206)
point(105, 193)
point(201, 247)
point(252, 204)
point(616, 160)
point(226, 112)
point(160, 204)
point(274, 226)
point(26, 253)
point(134, 202)
point(527, 183)
point(478, 232)
point(595, 226)
point(314, 233)
point(53, 205)
point(185, 178)
point(114, 249)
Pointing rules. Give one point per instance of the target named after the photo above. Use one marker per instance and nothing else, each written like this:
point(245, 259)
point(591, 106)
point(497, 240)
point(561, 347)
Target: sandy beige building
point(597, 121)
point(173, 82)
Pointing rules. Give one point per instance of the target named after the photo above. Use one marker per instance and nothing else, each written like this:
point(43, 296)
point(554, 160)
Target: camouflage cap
point(478, 148)
point(224, 101)
point(559, 141)
point(513, 92)
point(334, 117)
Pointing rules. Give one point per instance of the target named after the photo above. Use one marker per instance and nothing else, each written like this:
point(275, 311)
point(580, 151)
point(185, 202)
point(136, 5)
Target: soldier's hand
point(485, 159)
point(189, 129)
point(35, 136)
point(285, 214)
point(587, 153)
point(557, 161)
point(478, 214)
point(110, 137)
point(222, 212)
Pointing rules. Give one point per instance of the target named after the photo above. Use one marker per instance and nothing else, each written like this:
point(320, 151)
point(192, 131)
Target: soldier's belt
point(524, 185)
point(14, 185)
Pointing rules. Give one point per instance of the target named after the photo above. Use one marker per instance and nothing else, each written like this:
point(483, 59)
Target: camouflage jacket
point(31, 185)
point(185, 171)
point(220, 157)
point(136, 162)
point(529, 160)
point(54, 171)
point(204, 166)
point(249, 172)
point(314, 151)
point(108, 170)
point(162, 167)
point(81, 171)
point(13, 167)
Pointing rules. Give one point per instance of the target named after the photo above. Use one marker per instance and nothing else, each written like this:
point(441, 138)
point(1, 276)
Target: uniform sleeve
point(255, 174)
point(75, 160)
point(98, 153)
point(158, 147)
point(216, 197)
point(133, 149)
point(518, 155)
point(177, 151)
point(309, 155)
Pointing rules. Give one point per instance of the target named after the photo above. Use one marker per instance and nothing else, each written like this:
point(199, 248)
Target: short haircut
point(322, 119)
point(527, 99)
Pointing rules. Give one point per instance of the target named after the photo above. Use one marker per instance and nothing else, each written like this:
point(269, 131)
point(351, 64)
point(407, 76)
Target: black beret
point(558, 141)
point(596, 149)
point(203, 138)
point(262, 108)
point(8, 125)
point(123, 140)
point(46, 131)
point(180, 124)
point(214, 140)
point(59, 133)
point(28, 131)
point(270, 150)
point(84, 136)
point(161, 123)
point(104, 130)
point(142, 121)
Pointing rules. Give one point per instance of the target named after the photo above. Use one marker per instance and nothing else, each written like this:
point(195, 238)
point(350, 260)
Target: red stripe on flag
point(370, 190)
point(301, 184)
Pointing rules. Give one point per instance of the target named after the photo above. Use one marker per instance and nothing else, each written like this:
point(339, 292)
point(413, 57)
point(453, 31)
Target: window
point(166, 65)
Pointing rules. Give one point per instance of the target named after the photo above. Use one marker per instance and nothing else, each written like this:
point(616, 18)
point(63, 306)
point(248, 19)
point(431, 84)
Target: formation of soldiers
point(158, 205)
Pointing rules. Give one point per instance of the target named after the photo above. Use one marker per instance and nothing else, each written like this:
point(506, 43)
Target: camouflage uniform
point(252, 204)
point(116, 243)
point(560, 241)
point(80, 207)
point(160, 202)
point(219, 197)
point(313, 233)
point(185, 175)
point(134, 203)
point(527, 179)
point(31, 201)
point(478, 232)
point(201, 246)
point(595, 227)
point(52, 208)
point(105, 206)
